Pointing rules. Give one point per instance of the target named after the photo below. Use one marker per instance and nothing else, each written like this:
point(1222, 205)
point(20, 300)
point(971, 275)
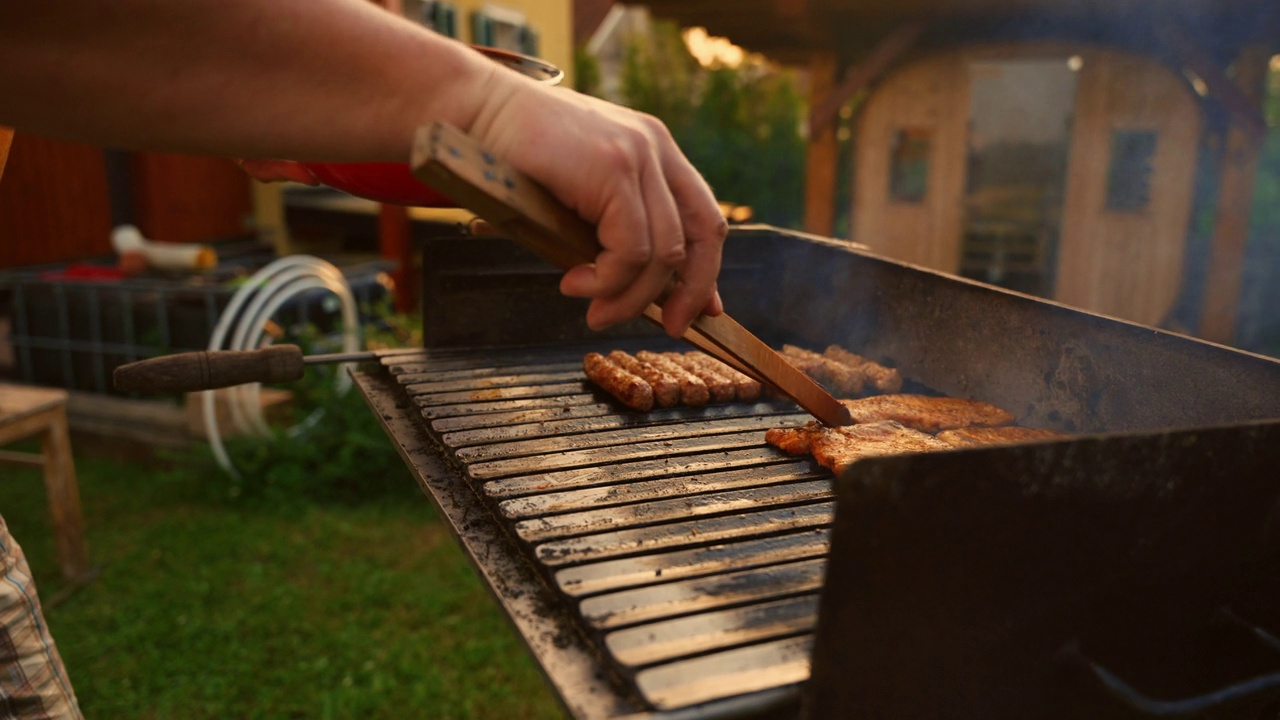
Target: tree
point(740, 126)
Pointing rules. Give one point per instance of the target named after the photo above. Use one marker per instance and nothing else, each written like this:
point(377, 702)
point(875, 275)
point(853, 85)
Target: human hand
point(657, 220)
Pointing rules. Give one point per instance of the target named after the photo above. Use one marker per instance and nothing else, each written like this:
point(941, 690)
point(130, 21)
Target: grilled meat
point(883, 379)
point(720, 387)
point(839, 378)
point(633, 391)
point(795, 440)
point(837, 448)
point(693, 391)
point(666, 388)
point(979, 436)
point(925, 413)
point(745, 388)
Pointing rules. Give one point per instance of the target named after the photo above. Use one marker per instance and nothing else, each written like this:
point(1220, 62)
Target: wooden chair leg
point(64, 498)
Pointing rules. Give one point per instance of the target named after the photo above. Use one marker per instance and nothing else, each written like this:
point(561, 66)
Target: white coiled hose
point(261, 297)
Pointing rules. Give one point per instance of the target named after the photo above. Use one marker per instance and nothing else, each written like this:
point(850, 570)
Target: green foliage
point(337, 450)
point(740, 126)
point(586, 72)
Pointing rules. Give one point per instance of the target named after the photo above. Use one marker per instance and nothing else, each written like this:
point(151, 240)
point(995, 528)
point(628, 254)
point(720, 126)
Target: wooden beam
point(1235, 201)
point(1244, 106)
point(822, 152)
point(877, 63)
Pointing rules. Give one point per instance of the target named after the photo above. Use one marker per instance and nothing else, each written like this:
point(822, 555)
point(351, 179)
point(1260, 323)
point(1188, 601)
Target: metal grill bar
point(605, 419)
point(734, 501)
point(642, 490)
point(559, 446)
point(671, 639)
point(686, 596)
point(661, 537)
point(581, 580)
point(631, 471)
point(744, 670)
point(536, 414)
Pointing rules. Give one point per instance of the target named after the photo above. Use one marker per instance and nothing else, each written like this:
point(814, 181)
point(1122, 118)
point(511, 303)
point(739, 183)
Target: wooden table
point(29, 411)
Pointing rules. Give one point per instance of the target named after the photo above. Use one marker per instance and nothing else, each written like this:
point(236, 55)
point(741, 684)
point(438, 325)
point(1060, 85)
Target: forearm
point(303, 79)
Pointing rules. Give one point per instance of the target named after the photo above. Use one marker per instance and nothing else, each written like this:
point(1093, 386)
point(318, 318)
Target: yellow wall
point(552, 19)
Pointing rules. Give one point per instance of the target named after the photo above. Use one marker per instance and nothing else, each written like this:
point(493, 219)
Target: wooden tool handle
point(209, 370)
point(453, 163)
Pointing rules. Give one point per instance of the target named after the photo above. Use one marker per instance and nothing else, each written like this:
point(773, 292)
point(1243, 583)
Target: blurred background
point(1120, 157)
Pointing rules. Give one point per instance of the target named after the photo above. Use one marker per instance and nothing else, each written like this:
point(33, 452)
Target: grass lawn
point(208, 609)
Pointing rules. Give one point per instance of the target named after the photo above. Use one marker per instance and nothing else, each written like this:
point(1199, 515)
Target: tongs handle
point(452, 162)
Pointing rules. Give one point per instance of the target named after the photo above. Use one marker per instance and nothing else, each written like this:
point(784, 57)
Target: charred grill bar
point(672, 564)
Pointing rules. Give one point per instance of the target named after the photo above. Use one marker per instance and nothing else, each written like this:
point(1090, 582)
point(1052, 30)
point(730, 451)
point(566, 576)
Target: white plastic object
point(163, 256)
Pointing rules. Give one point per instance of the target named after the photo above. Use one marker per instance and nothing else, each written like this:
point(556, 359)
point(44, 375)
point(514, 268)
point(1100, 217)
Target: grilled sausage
point(633, 391)
point(744, 387)
point(721, 387)
point(884, 379)
point(838, 377)
point(666, 389)
point(693, 392)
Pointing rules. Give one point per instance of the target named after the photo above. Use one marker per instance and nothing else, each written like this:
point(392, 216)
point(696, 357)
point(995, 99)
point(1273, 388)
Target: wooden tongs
point(453, 163)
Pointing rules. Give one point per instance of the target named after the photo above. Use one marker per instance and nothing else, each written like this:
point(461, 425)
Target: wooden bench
point(29, 411)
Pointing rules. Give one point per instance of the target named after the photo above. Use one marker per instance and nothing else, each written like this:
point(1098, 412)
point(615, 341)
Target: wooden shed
point(1049, 147)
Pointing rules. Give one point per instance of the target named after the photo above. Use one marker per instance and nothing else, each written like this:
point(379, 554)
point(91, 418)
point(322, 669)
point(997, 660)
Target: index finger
point(704, 229)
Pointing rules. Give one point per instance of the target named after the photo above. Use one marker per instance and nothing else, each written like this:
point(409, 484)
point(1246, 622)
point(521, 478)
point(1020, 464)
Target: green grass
point(208, 609)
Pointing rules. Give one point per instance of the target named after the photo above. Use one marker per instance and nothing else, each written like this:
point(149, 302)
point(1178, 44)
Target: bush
point(338, 452)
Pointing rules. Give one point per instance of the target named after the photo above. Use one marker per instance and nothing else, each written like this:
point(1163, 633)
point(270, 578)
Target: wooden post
point(822, 151)
point(6, 140)
point(395, 243)
point(1235, 200)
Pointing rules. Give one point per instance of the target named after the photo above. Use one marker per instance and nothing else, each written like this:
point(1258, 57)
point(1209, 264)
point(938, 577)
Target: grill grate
point(688, 550)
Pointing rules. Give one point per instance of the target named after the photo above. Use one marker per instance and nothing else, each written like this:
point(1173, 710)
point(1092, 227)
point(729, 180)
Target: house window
point(439, 16)
point(505, 29)
point(1129, 172)
point(909, 153)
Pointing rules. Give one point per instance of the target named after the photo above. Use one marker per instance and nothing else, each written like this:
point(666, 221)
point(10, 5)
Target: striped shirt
point(33, 681)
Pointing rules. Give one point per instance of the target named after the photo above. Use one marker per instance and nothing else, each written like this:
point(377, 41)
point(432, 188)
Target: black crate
point(74, 333)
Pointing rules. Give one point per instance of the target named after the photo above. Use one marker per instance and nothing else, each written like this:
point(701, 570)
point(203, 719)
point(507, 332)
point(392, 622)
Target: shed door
point(910, 169)
point(1129, 188)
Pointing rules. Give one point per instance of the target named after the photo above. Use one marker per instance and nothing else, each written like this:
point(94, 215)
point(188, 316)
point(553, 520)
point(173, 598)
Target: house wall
point(551, 19)
point(1121, 262)
point(53, 202)
point(1127, 263)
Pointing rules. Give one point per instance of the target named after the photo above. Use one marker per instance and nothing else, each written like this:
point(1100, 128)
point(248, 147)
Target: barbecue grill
point(672, 565)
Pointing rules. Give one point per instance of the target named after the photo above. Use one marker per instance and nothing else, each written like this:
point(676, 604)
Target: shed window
point(1129, 173)
point(909, 154)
